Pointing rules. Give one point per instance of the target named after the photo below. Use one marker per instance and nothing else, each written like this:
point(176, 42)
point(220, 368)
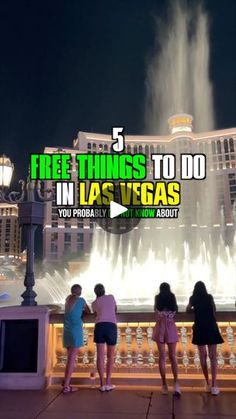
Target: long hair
point(199, 292)
point(165, 300)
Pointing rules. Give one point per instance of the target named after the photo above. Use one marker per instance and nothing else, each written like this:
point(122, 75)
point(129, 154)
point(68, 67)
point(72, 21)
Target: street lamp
point(6, 171)
point(31, 213)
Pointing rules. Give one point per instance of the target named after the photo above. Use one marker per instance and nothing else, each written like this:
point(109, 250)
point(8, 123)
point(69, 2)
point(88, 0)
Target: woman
point(165, 332)
point(75, 306)
point(205, 332)
point(105, 332)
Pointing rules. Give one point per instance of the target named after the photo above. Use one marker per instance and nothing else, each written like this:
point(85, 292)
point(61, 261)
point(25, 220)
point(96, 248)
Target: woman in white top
point(105, 332)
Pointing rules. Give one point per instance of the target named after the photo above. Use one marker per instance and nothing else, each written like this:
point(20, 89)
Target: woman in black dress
point(205, 332)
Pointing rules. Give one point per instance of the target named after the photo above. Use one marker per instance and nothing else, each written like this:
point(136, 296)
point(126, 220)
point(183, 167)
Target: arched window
point(158, 148)
point(218, 147)
point(105, 147)
point(231, 145)
point(89, 146)
point(147, 150)
point(140, 148)
point(100, 147)
point(151, 149)
point(226, 146)
point(94, 146)
point(135, 149)
point(128, 148)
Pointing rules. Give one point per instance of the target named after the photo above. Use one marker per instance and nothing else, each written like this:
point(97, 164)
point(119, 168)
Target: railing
point(136, 356)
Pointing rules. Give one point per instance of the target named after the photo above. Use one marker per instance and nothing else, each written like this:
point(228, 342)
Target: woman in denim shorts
point(105, 332)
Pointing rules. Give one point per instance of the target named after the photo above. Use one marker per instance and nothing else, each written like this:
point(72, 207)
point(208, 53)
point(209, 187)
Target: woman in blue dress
point(75, 306)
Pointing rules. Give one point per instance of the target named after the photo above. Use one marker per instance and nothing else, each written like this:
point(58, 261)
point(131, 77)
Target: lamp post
point(30, 201)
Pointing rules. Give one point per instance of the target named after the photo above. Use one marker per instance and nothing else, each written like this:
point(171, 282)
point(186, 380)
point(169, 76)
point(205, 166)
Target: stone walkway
point(121, 403)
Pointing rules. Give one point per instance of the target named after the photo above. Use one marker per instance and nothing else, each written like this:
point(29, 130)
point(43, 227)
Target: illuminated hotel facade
point(70, 237)
point(10, 232)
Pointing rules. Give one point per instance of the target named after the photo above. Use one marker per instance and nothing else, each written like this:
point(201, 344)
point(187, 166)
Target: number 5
point(119, 144)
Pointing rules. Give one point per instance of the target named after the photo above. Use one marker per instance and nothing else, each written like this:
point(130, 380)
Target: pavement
point(121, 403)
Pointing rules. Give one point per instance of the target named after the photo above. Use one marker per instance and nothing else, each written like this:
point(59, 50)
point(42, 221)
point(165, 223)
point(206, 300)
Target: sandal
point(69, 389)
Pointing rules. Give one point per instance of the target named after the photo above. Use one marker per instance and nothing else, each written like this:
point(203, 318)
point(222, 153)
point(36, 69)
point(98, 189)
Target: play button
point(116, 223)
point(116, 209)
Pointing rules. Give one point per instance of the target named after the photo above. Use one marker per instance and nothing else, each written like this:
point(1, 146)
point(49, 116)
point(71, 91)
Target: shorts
point(105, 332)
point(165, 332)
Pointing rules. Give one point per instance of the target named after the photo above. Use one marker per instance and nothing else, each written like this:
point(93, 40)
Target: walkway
point(120, 404)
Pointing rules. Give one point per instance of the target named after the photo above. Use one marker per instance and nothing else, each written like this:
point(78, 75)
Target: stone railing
point(136, 356)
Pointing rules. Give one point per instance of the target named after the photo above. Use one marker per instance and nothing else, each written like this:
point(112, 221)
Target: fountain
point(133, 267)
point(178, 73)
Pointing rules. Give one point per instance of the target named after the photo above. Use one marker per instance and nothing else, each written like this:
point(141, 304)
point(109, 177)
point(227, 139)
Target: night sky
point(80, 65)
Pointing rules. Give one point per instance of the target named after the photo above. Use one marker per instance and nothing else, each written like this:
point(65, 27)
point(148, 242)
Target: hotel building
point(10, 233)
point(74, 236)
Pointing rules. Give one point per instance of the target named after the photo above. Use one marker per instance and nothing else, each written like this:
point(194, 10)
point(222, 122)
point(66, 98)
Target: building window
point(80, 247)
point(54, 236)
point(53, 248)
point(80, 240)
point(231, 145)
point(218, 147)
point(67, 237)
point(80, 237)
point(226, 146)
